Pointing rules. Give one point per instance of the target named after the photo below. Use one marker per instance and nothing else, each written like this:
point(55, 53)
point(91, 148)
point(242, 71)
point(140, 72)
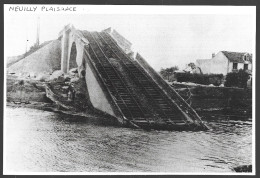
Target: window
point(246, 57)
point(234, 65)
point(245, 66)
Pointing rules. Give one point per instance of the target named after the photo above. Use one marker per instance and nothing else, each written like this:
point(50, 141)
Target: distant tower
point(38, 32)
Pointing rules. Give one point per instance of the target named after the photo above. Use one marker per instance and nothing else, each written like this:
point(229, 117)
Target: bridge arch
point(72, 63)
point(72, 50)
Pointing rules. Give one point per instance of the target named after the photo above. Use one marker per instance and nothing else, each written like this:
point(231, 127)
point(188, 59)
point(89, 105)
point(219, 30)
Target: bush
point(168, 72)
point(237, 79)
point(21, 82)
point(205, 79)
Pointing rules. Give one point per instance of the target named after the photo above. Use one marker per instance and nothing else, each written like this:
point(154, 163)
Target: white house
point(224, 62)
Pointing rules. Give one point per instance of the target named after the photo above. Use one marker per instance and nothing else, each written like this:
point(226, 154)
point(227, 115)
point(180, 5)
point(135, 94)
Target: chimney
point(213, 55)
point(38, 32)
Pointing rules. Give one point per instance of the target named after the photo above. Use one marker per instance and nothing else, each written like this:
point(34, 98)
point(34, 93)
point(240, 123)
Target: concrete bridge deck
point(127, 88)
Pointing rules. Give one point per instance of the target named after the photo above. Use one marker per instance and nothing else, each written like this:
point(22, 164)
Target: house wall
point(239, 66)
point(219, 64)
point(216, 65)
point(205, 66)
point(250, 67)
point(230, 67)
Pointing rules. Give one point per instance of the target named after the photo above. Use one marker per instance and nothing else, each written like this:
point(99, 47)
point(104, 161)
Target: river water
point(42, 141)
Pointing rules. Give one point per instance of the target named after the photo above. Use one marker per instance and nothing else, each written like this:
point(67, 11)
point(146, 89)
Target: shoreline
point(52, 107)
point(209, 108)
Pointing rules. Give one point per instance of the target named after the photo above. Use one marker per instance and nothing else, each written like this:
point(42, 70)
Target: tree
point(192, 65)
point(167, 72)
point(237, 79)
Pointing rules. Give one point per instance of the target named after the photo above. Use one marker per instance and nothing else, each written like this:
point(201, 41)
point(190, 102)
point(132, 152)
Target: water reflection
point(45, 141)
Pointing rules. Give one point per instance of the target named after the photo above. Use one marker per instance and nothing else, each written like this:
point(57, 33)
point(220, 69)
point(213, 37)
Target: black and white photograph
point(122, 90)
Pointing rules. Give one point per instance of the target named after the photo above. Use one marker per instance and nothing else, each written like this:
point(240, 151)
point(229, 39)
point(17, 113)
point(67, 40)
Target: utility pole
point(38, 32)
point(26, 40)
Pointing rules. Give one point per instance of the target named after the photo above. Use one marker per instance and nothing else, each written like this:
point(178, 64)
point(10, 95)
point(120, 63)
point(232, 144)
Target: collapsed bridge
point(122, 85)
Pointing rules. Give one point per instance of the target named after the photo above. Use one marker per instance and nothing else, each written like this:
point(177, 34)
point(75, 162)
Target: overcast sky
point(164, 40)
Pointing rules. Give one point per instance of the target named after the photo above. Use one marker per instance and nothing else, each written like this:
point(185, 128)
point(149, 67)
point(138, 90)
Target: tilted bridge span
point(124, 86)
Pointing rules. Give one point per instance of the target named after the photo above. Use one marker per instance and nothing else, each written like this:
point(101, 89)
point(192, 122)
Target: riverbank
point(211, 101)
point(52, 107)
point(24, 92)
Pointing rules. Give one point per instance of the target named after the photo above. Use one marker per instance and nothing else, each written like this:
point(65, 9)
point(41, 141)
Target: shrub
point(205, 79)
point(237, 79)
point(21, 82)
point(168, 72)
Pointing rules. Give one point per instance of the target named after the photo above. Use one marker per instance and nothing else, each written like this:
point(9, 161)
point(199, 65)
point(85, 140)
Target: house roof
point(236, 56)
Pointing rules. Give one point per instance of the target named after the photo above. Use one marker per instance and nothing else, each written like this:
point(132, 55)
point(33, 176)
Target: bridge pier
point(64, 50)
point(64, 35)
